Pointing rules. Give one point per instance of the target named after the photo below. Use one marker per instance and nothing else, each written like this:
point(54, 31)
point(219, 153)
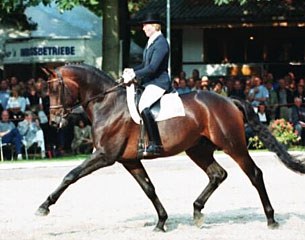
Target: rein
point(67, 110)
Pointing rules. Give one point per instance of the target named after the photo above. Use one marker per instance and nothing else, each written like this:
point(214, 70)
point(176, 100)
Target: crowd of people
point(271, 98)
point(24, 110)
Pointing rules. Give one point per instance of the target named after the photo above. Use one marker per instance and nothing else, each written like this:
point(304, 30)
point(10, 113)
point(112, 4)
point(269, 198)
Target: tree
point(115, 22)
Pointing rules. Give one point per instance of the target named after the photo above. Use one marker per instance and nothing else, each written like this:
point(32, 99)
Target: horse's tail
point(267, 138)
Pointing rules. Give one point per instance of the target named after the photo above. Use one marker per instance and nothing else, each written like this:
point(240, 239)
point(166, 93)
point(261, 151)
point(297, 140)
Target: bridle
point(63, 106)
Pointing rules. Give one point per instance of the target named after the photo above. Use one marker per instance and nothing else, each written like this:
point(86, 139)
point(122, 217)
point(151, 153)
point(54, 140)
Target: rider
point(152, 74)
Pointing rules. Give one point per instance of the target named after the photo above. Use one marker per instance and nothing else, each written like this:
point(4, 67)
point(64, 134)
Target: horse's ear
point(48, 72)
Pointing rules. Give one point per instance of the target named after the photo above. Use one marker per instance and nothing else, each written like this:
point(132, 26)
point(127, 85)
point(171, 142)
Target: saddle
point(168, 106)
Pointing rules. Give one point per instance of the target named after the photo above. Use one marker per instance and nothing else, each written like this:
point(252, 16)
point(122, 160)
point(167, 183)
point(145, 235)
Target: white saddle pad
point(170, 106)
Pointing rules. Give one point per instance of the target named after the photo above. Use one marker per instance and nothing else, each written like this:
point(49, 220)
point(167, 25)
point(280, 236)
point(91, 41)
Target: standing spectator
point(82, 141)
point(13, 82)
point(272, 102)
point(237, 90)
point(31, 132)
point(195, 74)
point(10, 134)
point(285, 98)
point(182, 75)
point(298, 118)
point(183, 88)
point(258, 93)
point(4, 93)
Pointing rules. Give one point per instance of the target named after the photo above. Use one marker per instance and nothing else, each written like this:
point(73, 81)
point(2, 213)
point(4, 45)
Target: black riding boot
point(154, 147)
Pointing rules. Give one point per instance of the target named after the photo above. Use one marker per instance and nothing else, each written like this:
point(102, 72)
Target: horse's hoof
point(42, 211)
point(198, 219)
point(273, 225)
point(159, 229)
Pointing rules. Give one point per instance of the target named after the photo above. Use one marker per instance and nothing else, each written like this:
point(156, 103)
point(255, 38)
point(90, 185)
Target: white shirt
point(153, 38)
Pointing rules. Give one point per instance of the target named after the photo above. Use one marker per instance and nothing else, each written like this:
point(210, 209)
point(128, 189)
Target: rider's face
point(149, 29)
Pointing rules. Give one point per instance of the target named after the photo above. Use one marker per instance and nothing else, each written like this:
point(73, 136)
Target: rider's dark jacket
point(153, 69)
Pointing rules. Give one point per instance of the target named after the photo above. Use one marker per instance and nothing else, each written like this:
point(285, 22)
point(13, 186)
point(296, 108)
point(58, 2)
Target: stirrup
point(152, 150)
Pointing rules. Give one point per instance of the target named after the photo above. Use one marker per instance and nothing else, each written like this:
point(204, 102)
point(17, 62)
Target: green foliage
point(282, 130)
point(221, 2)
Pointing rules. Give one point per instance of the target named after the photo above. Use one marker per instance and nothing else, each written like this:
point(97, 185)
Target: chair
point(10, 146)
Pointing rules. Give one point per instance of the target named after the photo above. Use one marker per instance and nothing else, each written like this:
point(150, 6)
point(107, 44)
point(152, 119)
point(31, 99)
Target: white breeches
point(151, 94)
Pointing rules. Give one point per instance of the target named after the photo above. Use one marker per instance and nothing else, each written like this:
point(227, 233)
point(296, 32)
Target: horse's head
point(61, 99)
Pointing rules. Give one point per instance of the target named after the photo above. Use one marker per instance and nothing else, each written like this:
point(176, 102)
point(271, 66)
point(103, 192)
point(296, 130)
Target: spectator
point(205, 84)
point(82, 141)
point(31, 132)
point(4, 93)
point(195, 75)
point(258, 93)
point(272, 102)
point(298, 118)
point(237, 90)
point(13, 82)
point(218, 88)
point(182, 75)
point(183, 88)
point(285, 98)
point(10, 134)
point(300, 92)
point(191, 84)
point(263, 115)
point(17, 101)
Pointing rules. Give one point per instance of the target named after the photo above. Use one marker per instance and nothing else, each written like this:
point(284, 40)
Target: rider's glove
point(128, 76)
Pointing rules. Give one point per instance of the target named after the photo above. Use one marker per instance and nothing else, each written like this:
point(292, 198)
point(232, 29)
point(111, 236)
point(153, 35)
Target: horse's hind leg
point(137, 170)
point(256, 177)
point(97, 160)
point(202, 155)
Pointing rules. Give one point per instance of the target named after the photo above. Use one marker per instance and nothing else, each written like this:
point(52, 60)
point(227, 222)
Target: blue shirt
point(6, 126)
point(4, 96)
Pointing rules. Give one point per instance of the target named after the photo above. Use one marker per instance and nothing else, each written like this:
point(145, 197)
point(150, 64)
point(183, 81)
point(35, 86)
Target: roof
point(207, 12)
point(76, 23)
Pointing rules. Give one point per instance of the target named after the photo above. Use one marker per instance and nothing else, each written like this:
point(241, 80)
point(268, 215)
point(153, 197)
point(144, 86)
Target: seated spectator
point(300, 92)
point(4, 93)
point(218, 88)
point(183, 88)
point(298, 118)
point(82, 141)
point(10, 134)
point(205, 83)
point(17, 101)
point(237, 90)
point(191, 84)
point(31, 132)
point(263, 115)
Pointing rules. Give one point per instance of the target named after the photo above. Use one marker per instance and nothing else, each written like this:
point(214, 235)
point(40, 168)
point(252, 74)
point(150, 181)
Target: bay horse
point(211, 122)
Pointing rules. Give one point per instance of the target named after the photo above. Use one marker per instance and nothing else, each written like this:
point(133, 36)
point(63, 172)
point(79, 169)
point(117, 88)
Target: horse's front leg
point(137, 170)
point(97, 160)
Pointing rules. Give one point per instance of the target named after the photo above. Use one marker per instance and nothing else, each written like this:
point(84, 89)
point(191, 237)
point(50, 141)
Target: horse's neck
point(108, 108)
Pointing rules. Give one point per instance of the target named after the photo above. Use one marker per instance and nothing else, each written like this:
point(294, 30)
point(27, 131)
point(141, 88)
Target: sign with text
point(40, 51)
